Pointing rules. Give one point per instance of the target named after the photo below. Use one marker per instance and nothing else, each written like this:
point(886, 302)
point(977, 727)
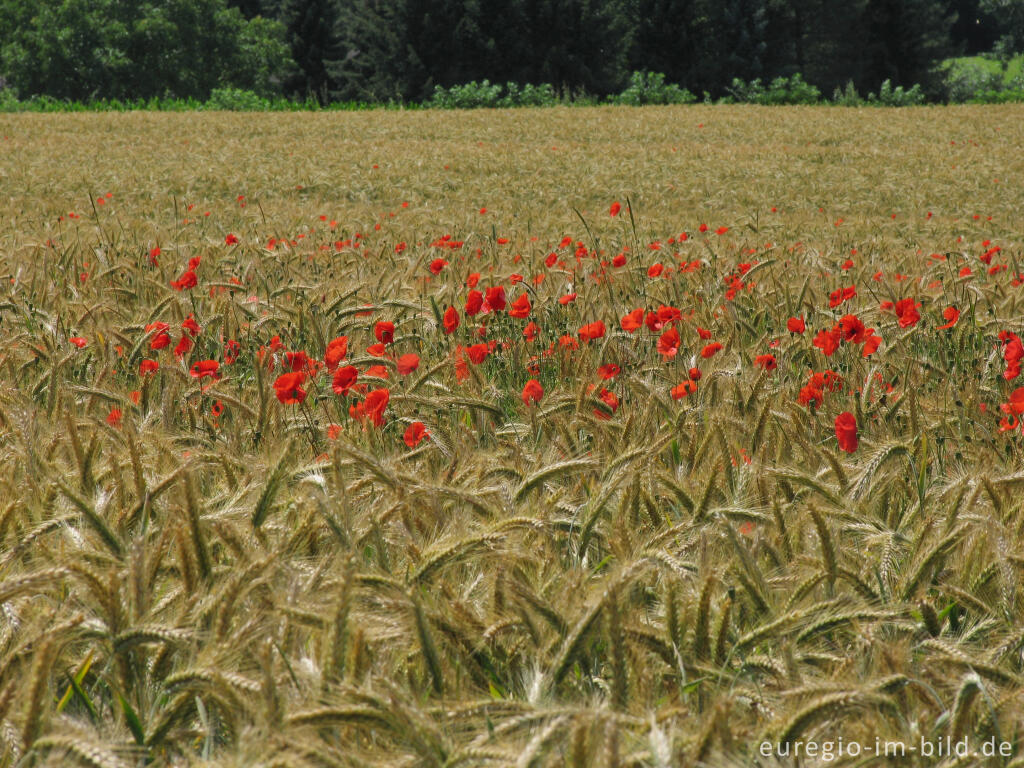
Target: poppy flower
point(474, 301)
point(906, 311)
point(796, 325)
point(767, 362)
point(374, 405)
point(828, 341)
point(477, 353)
point(230, 239)
point(186, 281)
point(114, 417)
point(333, 430)
point(408, 363)
point(619, 260)
point(520, 308)
point(297, 361)
point(450, 320)
point(614, 210)
point(567, 299)
point(437, 265)
point(704, 333)
point(655, 270)
point(217, 409)
point(473, 279)
point(148, 366)
point(952, 317)
point(337, 350)
point(710, 350)
point(78, 341)
point(377, 371)
point(684, 389)
point(870, 344)
point(190, 325)
point(592, 331)
point(668, 343)
point(288, 387)
point(694, 373)
point(530, 331)
point(810, 394)
point(1015, 405)
point(609, 399)
point(668, 315)
point(376, 350)
point(205, 369)
point(414, 433)
point(608, 371)
point(532, 392)
point(384, 331)
point(495, 298)
point(852, 328)
point(846, 431)
point(344, 379)
point(632, 321)
point(183, 347)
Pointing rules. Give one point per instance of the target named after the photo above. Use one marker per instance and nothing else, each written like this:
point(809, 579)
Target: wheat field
point(567, 437)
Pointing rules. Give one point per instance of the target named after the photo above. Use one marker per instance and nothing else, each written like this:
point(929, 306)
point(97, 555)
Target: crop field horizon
point(662, 436)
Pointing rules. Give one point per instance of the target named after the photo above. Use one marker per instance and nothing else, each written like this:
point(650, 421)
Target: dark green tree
point(313, 37)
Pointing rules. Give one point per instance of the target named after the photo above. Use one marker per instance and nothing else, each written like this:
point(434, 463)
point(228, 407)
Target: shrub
point(236, 100)
point(782, 90)
point(651, 88)
point(888, 96)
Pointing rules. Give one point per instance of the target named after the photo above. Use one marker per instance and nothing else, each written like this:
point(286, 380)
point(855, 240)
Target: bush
point(472, 95)
point(888, 96)
point(782, 90)
point(236, 100)
point(651, 88)
point(848, 96)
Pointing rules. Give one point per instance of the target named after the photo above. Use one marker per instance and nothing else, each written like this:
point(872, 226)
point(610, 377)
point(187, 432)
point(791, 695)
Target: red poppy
point(668, 343)
point(337, 350)
point(148, 366)
point(191, 326)
point(520, 308)
point(78, 341)
point(567, 299)
point(473, 279)
point(333, 430)
point(655, 270)
point(205, 369)
point(377, 371)
point(186, 281)
point(704, 333)
point(114, 417)
point(695, 374)
point(344, 379)
point(608, 371)
point(609, 399)
point(592, 331)
point(906, 311)
point(161, 338)
point(375, 404)
point(450, 320)
point(684, 389)
point(846, 431)
point(384, 331)
point(1015, 405)
point(852, 328)
point(530, 331)
point(183, 347)
point(614, 210)
point(768, 362)
point(414, 433)
point(495, 298)
point(477, 353)
point(408, 363)
point(474, 302)
point(376, 350)
point(437, 265)
point(810, 394)
point(952, 317)
point(828, 341)
point(796, 325)
point(230, 239)
point(710, 350)
point(288, 387)
point(632, 321)
point(870, 343)
point(532, 392)
point(297, 361)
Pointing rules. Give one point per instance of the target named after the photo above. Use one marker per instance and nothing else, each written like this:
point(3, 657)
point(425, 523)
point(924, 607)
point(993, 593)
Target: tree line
point(399, 50)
